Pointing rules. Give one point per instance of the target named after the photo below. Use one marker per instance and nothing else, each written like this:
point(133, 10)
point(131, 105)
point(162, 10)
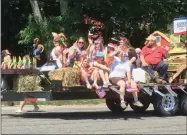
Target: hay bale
point(69, 76)
point(57, 74)
point(26, 83)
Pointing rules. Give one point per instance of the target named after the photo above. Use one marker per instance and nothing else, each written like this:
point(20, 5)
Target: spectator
point(22, 104)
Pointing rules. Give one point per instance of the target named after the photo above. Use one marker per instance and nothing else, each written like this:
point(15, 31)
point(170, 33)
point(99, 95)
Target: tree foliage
point(134, 18)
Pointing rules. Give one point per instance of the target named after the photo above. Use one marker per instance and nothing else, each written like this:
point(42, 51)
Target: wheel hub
point(168, 102)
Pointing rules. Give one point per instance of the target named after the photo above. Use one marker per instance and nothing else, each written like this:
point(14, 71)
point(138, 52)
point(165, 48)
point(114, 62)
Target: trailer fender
point(182, 88)
point(147, 91)
point(168, 87)
point(155, 88)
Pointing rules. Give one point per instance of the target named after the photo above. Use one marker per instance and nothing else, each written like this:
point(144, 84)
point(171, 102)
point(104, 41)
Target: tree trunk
point(36, 10)
point(63, 6)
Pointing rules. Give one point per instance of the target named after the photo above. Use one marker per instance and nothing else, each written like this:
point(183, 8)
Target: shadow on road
point(85, 115)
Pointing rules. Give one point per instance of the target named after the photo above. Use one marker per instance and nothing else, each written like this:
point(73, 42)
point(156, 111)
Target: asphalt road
point(88, 120)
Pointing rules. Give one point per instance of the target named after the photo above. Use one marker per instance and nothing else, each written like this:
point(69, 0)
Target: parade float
point(48, 83)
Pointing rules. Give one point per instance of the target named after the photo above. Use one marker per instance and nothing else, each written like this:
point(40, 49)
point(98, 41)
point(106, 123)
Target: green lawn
point(66, 102)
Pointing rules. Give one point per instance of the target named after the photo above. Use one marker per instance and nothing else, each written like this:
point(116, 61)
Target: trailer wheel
point(140, 109)
point(183, 104)
point(166, 106)
point(114, 105)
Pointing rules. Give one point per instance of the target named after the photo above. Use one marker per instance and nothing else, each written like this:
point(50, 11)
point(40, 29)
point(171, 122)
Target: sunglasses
point(124, 55)
point(81, 42)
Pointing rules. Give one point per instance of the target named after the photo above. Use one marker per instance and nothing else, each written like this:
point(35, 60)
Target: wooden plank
point(177, 60)
point(178, 53)
point(172, 68)
point(19, 71)
point(181, 69)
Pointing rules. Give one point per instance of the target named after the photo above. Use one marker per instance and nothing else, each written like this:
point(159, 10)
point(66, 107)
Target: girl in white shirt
point(120, 75)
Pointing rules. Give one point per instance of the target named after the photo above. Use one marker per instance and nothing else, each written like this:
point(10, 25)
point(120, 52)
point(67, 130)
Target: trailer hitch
point(168, 87)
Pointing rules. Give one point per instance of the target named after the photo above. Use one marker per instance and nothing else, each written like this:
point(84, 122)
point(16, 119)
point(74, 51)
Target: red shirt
point(153, 57)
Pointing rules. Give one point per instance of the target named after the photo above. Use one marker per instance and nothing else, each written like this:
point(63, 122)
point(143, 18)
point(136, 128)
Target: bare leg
point(34, 104)
point(107, 78)
point(121, 83)
point(95, 76)
point(135, 95)
point(84, 77)
point(102, 75)
point(22, 104)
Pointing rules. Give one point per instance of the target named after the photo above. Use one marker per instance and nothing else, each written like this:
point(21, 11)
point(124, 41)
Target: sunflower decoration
point(23, 63)
point(10, 63)
point(14, 64)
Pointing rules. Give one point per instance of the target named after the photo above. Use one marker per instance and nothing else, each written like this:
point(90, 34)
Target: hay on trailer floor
point(69, 76)
point(27, 83)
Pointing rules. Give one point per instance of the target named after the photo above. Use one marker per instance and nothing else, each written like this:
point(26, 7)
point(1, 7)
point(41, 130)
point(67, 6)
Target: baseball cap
point(151, 37)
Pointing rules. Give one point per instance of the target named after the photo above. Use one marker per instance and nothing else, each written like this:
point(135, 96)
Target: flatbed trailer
point(167, 99)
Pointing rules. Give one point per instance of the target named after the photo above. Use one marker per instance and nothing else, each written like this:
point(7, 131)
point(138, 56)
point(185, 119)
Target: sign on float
point(180, 25)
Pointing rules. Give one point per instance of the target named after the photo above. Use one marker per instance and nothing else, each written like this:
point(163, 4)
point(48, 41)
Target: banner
point(180, 25)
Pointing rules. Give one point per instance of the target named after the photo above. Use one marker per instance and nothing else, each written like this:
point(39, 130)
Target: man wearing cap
point(152, 58)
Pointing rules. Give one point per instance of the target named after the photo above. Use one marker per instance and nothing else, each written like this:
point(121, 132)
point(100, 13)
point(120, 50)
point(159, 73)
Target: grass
point(63, 102)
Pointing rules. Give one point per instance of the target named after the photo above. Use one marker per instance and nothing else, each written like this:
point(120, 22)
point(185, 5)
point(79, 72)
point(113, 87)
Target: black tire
point(166, 106)
point(114, 105)
point(183, 105)
point(145, 103)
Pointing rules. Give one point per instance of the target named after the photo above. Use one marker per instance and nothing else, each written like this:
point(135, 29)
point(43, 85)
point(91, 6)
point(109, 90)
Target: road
point(88, 120)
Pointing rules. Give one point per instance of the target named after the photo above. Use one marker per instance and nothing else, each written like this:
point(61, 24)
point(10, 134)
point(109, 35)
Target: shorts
point(115, 80)
point(89, 80)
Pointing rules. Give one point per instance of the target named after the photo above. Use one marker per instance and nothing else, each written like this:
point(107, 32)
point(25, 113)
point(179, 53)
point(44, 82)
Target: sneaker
point(36, 109)
point(19, 111)
point(138, 103)
point(109, 84)
point(123, 105)
point(105, 85)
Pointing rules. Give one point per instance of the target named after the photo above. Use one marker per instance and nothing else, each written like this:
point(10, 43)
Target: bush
point(43, 30)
